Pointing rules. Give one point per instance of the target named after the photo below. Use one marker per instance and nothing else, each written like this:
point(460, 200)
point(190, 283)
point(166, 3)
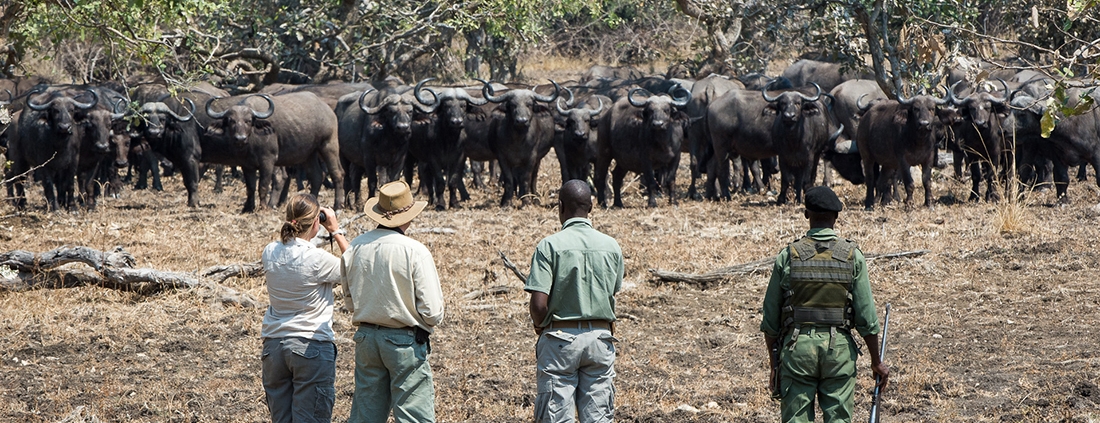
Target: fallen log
point(715, 277)
point(73, 266)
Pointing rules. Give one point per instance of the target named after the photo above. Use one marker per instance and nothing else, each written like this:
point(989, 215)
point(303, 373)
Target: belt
point(374, 326)
point(580, 324)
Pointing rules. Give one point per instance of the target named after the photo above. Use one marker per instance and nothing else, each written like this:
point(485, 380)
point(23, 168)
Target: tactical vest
point(820, 291)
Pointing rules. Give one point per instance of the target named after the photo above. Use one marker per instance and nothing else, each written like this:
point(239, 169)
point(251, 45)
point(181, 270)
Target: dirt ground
point(996, 323)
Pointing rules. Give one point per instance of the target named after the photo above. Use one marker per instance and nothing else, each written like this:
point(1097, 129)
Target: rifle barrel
point(882, 355)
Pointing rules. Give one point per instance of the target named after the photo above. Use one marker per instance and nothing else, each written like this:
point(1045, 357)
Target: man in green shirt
point(575, 274)
point(818, 292)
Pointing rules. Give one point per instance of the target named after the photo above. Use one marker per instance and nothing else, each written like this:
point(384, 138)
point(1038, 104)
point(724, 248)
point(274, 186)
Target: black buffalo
point(802, 129)
point(295, 129)
point(47, 137)
point(893, 136)
point(521, 133)
point(697, 140)
point(982, 138)
point(826, 75)
point(374, 132)
point(1074, 141)
point(739, 124)
point(643, 137)
point(438, 143)
point(575, 135)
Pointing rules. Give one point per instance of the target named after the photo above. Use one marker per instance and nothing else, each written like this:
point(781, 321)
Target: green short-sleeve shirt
point(580, 269)
point(865, 320)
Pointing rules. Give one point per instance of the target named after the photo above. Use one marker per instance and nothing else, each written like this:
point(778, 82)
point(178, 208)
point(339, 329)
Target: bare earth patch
point(987, 327)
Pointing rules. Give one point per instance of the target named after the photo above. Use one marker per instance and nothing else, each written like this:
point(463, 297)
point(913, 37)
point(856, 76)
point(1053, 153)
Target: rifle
point(774, 382)
point(882, 354)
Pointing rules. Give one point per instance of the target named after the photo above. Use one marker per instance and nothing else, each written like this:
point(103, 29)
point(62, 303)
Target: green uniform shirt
point(580, 269)
point(865, 319)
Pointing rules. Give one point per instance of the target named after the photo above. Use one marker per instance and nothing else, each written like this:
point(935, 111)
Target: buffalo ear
point(541, 108)
point(262, 127)
point(558, 126)
point(216, 127)
point(810, 109)
point(770, 110)
point(636, 118)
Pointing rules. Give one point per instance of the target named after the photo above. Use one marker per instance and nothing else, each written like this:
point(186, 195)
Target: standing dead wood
point(72, 266)
point(512, 266)
point(715, 277)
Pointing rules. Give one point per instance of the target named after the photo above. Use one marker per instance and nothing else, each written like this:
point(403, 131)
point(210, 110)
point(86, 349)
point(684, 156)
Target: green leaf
point(1048, 122)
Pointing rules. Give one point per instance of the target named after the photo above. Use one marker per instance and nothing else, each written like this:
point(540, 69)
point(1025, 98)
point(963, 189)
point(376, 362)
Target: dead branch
point(480, 293)
point(72, 266)
point(706, 280)
point(512, 266)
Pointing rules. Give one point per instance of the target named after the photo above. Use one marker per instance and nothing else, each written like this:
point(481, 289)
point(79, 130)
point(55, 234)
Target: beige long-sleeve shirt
point(390, 280)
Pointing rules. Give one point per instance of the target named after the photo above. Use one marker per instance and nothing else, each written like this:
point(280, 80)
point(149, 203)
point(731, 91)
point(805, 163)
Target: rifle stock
point(882, 355)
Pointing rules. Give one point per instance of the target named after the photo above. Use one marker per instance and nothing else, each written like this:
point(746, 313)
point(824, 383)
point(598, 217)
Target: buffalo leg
point(190, 172)
point(617, 176)
point(249, 174)
point(600, 178)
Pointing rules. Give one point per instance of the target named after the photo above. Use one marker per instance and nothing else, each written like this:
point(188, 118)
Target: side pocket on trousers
point(326, 398)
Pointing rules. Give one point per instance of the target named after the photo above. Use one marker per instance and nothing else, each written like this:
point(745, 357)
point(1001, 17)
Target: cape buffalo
point(704, 92)
point(105, 146)
point(374, 131)
point(643, 137)
point(438, 143)
point(520, 134)
point(827, 75)
point(575, 135)
point(982, 139)
point(49, 132)
point(803, 127)
point(1075, 140)
point(296, 128)
point(851, 98)
point(895, 135)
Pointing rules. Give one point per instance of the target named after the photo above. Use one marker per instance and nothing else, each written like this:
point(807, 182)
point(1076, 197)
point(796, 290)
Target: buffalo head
point(453, 105)
point(100, 127)
point(660, 110)
point(921, 110)
point(240, 121)
point(520, 105)
point(394, 110)
point(577, 123)
point(59, 110)
point(791, 105)
point(980, 108)
point(157, 116)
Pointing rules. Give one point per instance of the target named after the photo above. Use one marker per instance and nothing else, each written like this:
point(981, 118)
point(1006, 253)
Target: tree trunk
point(717, 28)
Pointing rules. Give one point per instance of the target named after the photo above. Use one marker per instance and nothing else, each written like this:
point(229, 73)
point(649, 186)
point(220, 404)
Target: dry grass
point(991, 326)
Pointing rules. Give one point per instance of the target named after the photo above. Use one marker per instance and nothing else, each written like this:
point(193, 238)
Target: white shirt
point(300, 278)
point(391, 281)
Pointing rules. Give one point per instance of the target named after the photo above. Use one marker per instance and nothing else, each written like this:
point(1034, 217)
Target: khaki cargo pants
point(575, 375)
point(818, 369)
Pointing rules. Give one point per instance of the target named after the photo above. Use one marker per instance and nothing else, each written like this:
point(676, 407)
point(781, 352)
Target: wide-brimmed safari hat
point(394, 205)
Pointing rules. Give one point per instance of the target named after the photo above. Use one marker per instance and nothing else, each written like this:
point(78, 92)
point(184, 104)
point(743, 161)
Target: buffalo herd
point(75, 139)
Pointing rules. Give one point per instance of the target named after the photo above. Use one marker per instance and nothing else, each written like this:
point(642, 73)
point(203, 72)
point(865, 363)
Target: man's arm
point(539, 309)
point(878, 367)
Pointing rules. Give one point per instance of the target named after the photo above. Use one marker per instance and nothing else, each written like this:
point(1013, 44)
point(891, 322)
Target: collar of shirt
point(821, 234)
point(300, 241)
point(576, 221)
point(398, 230)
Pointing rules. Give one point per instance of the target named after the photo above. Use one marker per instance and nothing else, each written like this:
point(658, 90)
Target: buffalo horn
point(633, 102)
point(210, 112)
point(89, 105)
point(362, 105)
point(863, 107)
point(561, 111)
point(270, 107)
point(120, 105)
point(835, 135)
point(469, 99)
point(569, 102)
point(679, 101)
point(951, 95)
point(903, 99)
point(39, 89)
point(487, 92)
point(594, 113)
point(1004, 97)
point(764, 92)
point(550, 98)
point(422, 106)
point(190, 114)
point(944, 99)
point(815, 97)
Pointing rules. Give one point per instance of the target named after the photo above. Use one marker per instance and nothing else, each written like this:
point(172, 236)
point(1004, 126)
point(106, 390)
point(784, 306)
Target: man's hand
point(882, 373)
point(331, 223)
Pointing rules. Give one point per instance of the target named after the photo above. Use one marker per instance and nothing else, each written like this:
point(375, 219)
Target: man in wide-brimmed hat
point(818, 293)
point(393, 292)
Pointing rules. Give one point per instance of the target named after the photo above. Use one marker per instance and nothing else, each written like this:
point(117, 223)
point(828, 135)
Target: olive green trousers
point(818, 369)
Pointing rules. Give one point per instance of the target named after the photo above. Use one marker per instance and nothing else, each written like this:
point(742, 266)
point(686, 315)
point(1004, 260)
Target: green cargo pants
point(391, 373)
point(818, 368)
